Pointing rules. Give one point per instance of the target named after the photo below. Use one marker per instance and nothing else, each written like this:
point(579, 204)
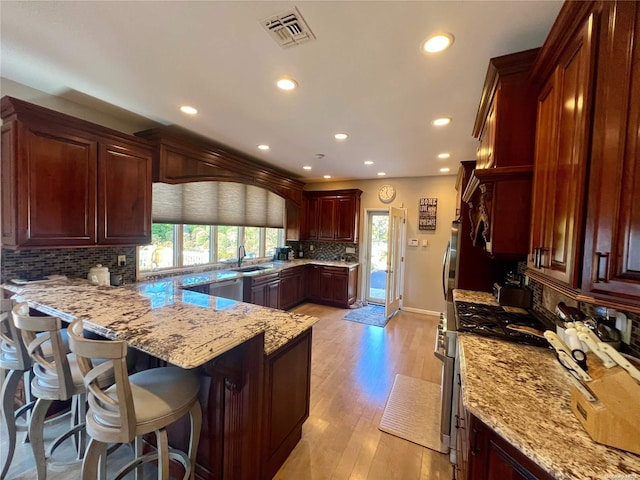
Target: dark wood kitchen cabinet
point(611, 261)
point(333, 216)
point(67, 182)
point(263, 290)
point(292, 287)
point(337, 286)
point(499, 191)
point(287, 390)
point(565, 71)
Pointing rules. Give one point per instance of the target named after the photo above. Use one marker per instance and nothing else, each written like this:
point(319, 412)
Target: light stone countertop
point(219, 275)
point(158, 317)
point(523, 393)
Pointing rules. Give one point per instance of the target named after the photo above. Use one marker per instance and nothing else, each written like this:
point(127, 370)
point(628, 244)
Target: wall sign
point(427, 213)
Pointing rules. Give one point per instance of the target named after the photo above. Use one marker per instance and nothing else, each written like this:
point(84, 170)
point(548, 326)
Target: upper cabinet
point(332, 216)
point(67, 182)
point(562, 146)
point(499, 190)
point(585, 222)
point(611, 261)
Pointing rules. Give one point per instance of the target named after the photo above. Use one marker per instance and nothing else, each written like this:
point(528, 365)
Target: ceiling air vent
point(288, 28)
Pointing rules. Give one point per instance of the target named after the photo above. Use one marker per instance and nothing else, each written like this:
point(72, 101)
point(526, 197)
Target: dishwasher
point(231, 289)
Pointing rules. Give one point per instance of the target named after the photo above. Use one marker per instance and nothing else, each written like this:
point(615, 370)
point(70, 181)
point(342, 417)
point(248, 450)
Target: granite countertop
point(160, 318)
point(523, 393)
point(214, 276)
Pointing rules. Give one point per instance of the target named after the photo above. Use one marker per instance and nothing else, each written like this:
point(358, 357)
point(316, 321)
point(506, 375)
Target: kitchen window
point(175, 246)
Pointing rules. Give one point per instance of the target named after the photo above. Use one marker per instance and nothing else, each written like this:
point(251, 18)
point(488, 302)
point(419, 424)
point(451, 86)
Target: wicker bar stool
point(137, 404)
point(56, 376)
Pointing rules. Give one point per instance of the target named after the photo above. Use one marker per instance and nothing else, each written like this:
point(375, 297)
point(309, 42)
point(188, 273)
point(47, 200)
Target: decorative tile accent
point(326, 250)
point(72, 262)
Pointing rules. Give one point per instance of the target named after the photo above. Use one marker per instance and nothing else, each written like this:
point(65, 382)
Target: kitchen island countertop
point(523, 394)
point(160, 318)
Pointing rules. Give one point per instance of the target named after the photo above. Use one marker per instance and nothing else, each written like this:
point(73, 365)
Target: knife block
point(613, 419)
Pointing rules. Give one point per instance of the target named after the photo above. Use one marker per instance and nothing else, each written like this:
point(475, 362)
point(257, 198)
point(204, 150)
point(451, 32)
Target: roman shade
point(217, 203)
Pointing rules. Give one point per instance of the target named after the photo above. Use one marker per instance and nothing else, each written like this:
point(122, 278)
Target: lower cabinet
point(263, 290)
point(484, 455)
point(287, 380)
point(336, 286)
point(293, 288)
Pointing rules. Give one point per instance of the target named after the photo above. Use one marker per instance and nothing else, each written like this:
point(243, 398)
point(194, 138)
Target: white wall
point(423, 265)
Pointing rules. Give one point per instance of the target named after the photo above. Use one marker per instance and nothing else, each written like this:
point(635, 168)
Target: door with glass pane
point(395, 259)
point(377, 249)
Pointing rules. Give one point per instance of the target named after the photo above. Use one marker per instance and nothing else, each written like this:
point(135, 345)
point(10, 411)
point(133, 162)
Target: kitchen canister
point(99, 275)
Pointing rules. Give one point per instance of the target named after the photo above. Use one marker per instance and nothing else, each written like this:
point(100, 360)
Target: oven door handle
point(444, 269)
point(440, 356)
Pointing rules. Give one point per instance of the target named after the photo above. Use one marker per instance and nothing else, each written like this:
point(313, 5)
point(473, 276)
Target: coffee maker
point(283, 253)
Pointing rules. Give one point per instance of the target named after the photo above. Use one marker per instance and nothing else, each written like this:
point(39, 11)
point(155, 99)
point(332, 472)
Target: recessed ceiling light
point(368, 162)
point(445, 169)
point(341, 136)
point(188, 110)
point(263, 147)
point(444, 155)
point(437, 42)
point(381, 174)
point(327, 176)
point(286, 83)
point(441, 122)
point(307, 167)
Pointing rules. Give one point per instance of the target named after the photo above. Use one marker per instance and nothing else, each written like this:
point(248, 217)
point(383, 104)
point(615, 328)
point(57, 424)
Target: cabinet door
point(287, 291)
point(313, 284)
point(345, 219)
point(124, 195)
point(340, 284)
point(258, 295)
point(272, 292)
point(56, 187)
point(567, 158)
point(312, 219)
point(327, 218)
point(326, 285)
point(612, 239)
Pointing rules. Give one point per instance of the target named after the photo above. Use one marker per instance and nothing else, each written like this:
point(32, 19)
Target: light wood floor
point(353, 368)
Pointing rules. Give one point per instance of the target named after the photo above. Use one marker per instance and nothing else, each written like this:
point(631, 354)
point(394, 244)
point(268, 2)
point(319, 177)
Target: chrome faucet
point(241, 254)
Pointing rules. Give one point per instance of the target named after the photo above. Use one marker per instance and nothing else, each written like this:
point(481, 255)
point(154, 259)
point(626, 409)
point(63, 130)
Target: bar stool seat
point(137, 404)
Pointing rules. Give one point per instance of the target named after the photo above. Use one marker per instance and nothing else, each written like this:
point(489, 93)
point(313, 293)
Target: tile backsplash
point(326, 250)
point(72, 262)
point(545, 298)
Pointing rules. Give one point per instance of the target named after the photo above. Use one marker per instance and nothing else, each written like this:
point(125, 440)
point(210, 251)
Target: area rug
point(413, 412)
point(371, 315)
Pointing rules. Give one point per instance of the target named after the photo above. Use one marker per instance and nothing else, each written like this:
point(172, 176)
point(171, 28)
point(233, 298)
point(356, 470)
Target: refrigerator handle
point(444, 269)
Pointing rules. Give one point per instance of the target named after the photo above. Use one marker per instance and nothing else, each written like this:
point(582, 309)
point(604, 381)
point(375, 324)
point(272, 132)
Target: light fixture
point(263, 147)
point(445, 169)
point(437, 42)
point(441, 122)
point(368, 162)
point(381, 174)
point(307, 167)
point(444, 155)
point(340, 136)
point(188, 110)
point(327, 176)
point(286, 83)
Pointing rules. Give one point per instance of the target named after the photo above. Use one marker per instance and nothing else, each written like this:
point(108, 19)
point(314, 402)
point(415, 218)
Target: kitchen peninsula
point(250, 356)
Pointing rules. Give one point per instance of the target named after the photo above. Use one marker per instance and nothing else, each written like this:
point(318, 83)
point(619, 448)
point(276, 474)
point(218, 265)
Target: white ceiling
point(364, 74)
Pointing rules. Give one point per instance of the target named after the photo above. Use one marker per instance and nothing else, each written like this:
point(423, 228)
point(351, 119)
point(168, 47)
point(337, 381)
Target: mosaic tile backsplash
point(72, 262)
point(539, 292)
point(326, 250)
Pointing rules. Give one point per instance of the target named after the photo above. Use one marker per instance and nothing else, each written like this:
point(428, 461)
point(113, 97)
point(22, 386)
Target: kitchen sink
point(250, 268)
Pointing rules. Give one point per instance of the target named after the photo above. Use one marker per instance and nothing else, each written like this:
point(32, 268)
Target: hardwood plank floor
point(352, 371)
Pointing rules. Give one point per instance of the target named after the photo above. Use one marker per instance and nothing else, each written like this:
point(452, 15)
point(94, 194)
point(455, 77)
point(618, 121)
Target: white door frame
point(364, 254)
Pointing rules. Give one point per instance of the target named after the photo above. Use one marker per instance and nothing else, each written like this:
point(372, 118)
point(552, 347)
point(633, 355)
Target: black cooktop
point(501, 322)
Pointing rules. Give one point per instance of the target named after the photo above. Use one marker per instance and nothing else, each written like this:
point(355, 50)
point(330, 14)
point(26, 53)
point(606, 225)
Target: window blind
point(217, 203)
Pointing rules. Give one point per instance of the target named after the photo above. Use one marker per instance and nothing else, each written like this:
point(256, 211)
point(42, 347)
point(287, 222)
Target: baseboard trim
point(419, 310)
